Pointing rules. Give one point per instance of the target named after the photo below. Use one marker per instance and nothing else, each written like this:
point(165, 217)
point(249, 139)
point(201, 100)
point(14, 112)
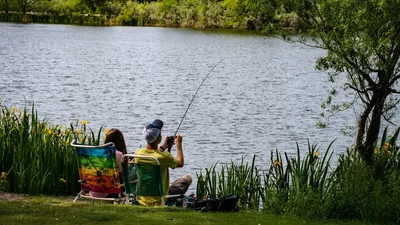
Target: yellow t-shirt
point(166, 161)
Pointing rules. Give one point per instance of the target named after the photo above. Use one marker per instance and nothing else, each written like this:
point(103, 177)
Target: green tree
point(94, 4)
point(362, 39)
point(4, 6)
point(262, 10)
point(237, 11)
point(24, 5)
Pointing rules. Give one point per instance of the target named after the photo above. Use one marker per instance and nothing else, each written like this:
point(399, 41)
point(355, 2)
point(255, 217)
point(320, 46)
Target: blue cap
point(157, 124)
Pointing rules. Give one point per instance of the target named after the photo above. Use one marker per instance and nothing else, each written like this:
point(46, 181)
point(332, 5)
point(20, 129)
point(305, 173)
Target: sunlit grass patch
point(36, 210)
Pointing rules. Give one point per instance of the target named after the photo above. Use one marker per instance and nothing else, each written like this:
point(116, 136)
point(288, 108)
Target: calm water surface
point(264, 95)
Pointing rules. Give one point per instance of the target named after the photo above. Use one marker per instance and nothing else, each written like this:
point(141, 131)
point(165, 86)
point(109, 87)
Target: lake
point(263, 95)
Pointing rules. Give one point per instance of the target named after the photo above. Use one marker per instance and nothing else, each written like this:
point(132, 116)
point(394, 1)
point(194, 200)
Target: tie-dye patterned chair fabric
point(98, 171)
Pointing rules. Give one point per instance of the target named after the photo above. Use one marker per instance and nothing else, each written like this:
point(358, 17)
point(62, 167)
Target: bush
point(310, 187)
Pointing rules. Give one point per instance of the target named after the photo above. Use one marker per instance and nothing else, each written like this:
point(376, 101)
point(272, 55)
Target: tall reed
point(242, 180)
point(36, 157)
point(276, 183)
point(296, 182)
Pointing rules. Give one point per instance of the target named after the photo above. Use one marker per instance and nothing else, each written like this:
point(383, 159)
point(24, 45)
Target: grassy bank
point(36, 158)
point(47, 210)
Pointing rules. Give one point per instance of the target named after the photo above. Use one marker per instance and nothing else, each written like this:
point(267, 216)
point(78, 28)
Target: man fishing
point(153, 137)
point(152, 134)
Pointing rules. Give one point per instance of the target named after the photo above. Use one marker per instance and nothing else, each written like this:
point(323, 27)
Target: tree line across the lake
point(239, 14)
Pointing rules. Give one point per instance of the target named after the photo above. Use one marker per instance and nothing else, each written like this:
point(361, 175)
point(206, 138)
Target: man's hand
point(167, 143)
point(178, 140)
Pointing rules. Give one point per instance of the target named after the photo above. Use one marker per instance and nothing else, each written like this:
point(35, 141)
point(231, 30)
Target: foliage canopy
point(362, 39)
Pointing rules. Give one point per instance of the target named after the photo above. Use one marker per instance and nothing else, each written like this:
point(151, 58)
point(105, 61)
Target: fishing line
point(190, 103)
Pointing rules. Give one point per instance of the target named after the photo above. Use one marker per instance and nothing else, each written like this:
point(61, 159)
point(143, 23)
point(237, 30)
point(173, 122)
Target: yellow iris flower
point(277, 163)
point(387, 147)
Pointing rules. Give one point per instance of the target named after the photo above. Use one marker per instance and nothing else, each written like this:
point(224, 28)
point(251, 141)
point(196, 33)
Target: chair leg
point(162, 200)
point(79, 195)
point(120, 200)
point(127, 199)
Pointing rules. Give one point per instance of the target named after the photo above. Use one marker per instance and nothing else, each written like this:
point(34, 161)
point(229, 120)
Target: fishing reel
point(170, 141)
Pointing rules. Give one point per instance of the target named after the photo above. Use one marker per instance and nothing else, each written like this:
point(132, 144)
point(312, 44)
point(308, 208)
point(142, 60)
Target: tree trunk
point(362, 124)
point(6, 7)
point(366, 148)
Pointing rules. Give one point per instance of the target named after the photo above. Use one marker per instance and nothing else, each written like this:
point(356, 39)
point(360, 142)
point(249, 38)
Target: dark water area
point(264, 95)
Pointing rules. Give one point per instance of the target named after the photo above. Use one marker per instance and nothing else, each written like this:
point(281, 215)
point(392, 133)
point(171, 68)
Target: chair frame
point(163, 196)
point(82, 192)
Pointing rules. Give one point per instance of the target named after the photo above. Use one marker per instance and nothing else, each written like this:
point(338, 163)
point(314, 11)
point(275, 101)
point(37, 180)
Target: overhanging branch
point(394, 91)
point(343, 55)
point(388, 120)
point(393, 80)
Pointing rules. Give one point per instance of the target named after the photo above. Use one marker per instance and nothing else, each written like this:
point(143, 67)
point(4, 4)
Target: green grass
point(36, 158)
point(49, 210)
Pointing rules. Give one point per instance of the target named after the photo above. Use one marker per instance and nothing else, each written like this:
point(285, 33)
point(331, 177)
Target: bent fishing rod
point(171, 138)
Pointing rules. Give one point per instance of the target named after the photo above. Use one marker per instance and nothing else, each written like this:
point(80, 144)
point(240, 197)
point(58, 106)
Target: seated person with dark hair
point(115, 136)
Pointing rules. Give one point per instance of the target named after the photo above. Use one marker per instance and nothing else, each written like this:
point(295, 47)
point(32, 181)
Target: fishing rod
point(171, 138)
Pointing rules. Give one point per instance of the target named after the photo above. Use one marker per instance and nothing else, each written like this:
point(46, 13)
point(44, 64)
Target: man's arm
point(179, 153)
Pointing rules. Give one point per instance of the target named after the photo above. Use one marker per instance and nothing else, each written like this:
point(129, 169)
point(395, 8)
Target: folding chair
point(143, 179)
point(98, 171)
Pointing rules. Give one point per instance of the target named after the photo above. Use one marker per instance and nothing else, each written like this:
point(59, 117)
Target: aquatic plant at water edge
point(296, 182)
point(36, 156)
point(309, 186)
point(242, 179)
point(281, 184)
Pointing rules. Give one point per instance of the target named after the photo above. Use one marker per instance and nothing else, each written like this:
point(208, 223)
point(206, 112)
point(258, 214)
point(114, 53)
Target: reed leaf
point(35, 155)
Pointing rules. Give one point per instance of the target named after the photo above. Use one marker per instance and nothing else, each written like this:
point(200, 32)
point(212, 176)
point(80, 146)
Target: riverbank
point(73, 18)
point(60, 210)
point(151, 15)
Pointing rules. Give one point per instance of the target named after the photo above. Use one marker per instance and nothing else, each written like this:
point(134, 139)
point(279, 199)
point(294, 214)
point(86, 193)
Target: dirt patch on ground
point(10, 196)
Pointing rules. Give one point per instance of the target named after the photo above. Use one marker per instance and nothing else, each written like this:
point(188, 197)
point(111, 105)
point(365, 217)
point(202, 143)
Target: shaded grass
point(48, 210)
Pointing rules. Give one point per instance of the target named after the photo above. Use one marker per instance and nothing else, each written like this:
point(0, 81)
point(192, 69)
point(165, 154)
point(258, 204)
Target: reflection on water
point(264, 95)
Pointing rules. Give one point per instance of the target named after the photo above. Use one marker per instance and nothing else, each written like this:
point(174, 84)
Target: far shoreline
point(99, 20)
